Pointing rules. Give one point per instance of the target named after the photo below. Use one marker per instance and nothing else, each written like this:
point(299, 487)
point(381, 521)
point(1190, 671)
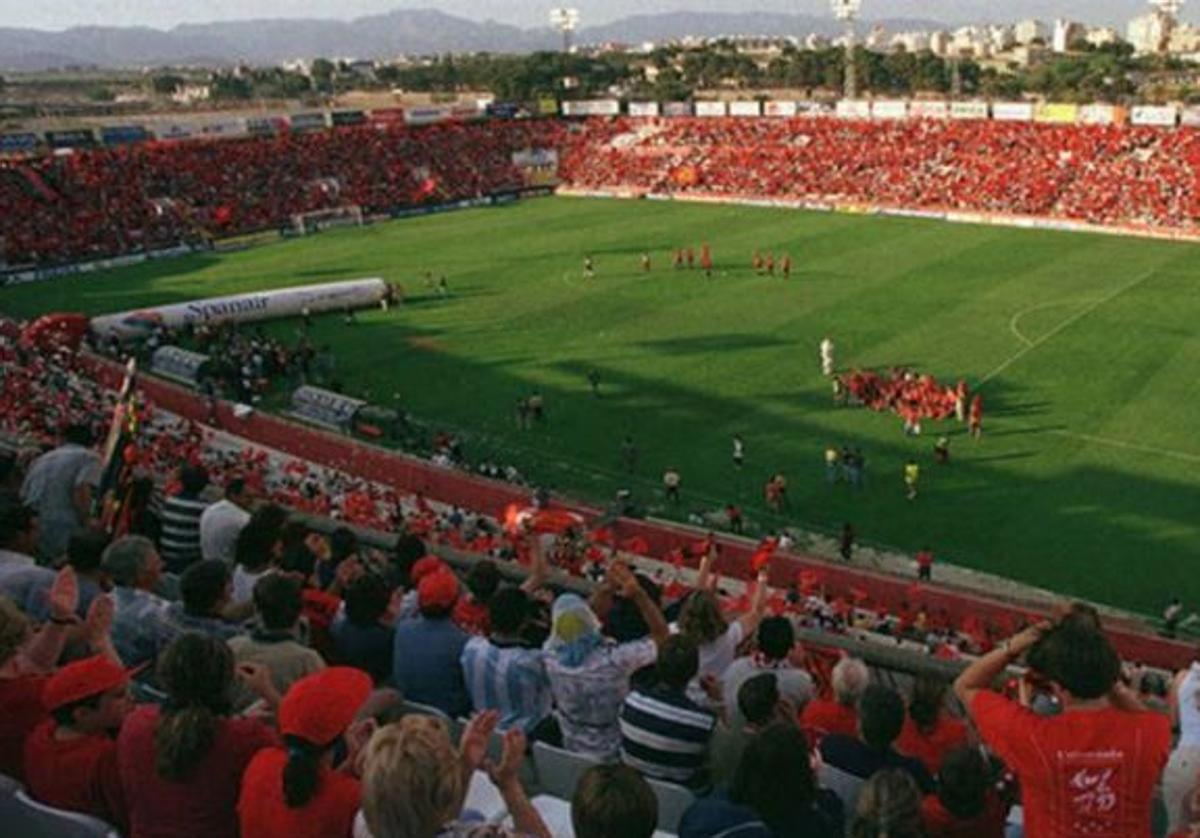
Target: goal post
point(307, 223)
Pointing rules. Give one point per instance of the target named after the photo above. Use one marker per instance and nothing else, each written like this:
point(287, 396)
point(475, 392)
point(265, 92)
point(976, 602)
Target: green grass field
point(1086, 347)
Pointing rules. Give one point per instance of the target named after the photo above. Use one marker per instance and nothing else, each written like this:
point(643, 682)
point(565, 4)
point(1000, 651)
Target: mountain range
point(403, 31)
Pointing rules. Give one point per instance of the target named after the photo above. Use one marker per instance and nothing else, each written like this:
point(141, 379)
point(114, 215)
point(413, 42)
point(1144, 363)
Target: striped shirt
point(665, 735)
point(179, 541)
point(511, 679)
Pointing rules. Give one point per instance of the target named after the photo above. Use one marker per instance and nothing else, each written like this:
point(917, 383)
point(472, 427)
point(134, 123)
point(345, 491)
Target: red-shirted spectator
point(824, 717)
point(925, 565)
point(181, 764)
point(966, 804)
point(295, 792)
point(71, 760)
point(929, 730)
point(1090, 770)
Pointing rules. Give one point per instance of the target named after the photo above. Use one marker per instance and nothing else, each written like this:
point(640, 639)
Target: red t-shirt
point(1082, 772)
point(204, 805)
point(989, 823)
point(823, 718)
point(931, 747)
point(263, 813)
point(20, 712)
point(471, 616)
point(79, 774)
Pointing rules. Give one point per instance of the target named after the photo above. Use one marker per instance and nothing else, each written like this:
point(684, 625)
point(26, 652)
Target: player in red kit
point(785, 265)
point(976, 423)
point(706, 259)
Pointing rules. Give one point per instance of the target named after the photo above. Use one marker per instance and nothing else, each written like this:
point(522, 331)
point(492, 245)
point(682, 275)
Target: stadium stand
point(47, 682)
point(142, 197)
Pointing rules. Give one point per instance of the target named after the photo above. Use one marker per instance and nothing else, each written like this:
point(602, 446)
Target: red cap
point(425, 566)
point(438, 590)
point(319, 707)
point(82, 679)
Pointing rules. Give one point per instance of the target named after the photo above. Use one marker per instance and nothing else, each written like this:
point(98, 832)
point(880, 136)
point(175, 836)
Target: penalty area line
point(1131, 446)
point(1077, 316)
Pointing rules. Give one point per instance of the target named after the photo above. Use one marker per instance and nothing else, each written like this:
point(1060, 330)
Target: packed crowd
point(1106, 175)
point(99, 203)
point(104, 202)
point(298, 684)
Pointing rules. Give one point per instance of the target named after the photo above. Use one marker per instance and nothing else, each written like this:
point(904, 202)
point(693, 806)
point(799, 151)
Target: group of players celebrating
point(685, 258)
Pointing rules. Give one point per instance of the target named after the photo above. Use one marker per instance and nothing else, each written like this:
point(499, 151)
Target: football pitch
point(1086, 349)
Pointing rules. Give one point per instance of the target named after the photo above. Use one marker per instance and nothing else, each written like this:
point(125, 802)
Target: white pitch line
point(1016, 318)
point(1083, 312)
point(1131, 446)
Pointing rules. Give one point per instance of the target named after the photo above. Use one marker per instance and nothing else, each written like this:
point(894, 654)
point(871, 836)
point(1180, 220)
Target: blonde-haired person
point(889, 806)
point(415, 781)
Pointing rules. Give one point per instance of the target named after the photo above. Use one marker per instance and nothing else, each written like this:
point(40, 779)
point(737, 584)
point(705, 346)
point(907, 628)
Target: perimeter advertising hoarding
point(929, 110)
point(1190, 117)
point(643, 108)
point(677, 109)
point(889, 109)
point(779, 108)
point(1060, 113)
point(17, 143)
point(1097, 115)
point(1012, 111)
point(968, 110)
point(325, 407)
point(173, 130)
point(178, 364)
point(592, 107)
point(744, 108)
point(853, 109)
point(1153, 115)
point(244, 308)
point(307, 121)
point(710, 109)
point(81, 138)
point(112, 135)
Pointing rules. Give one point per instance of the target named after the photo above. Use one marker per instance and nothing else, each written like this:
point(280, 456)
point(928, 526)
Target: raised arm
point(758, 605)
point(627, 584)
point(984, 670)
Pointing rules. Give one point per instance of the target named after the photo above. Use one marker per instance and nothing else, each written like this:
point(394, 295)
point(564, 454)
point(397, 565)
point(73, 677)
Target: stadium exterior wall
point(412, 475)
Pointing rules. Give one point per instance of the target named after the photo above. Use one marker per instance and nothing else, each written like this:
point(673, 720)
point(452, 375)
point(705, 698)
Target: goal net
point(306, 223)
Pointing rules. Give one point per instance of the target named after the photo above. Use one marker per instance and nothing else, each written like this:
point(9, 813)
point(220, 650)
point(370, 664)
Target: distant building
point(1184, 39)
point(1028, 31)
point(1066, 32)
point(1101, 36)
point(1149, 32)
point(188, 94)
point(911, 41)
point(939, 42)
point(1002, 38)
point(813, 41)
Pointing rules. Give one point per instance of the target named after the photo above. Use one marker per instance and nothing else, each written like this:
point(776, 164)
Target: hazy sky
point(59, 14)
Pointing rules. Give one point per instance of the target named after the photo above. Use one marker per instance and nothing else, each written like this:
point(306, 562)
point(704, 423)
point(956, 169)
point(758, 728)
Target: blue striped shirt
point(665, 735)
point(511, 679)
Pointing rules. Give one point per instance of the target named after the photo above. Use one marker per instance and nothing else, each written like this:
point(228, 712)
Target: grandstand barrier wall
point(409, 475)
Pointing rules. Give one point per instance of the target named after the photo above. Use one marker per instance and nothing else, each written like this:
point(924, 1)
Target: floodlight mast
point(848, 12)
point(565, 21)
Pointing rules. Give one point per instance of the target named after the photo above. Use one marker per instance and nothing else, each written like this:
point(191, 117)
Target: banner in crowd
point(643, 108)
point(79, 138)
point(1061, 113)
point(173, 130)
point(306, 121)
point(265, 126)
point(853, 109)
point(744, 108)
point(339, 118)
point(224, 128)
point(18, 143)
point(711, 109)
point(382, 117)
point(111, 135)
point(1190, 116)
point(968, 110)
point(325, 407)
point(777, 107)
point(1012, 111)
point(929, 110)
point(592, 107)
point(245, 308)
point(889, 109)
point(1097, 115)
point(178, 364)
point(677, 109)
point(528, 158)
point(1153, 115)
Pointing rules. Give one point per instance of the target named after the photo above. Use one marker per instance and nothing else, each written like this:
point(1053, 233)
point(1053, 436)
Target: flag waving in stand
point(110, 505)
